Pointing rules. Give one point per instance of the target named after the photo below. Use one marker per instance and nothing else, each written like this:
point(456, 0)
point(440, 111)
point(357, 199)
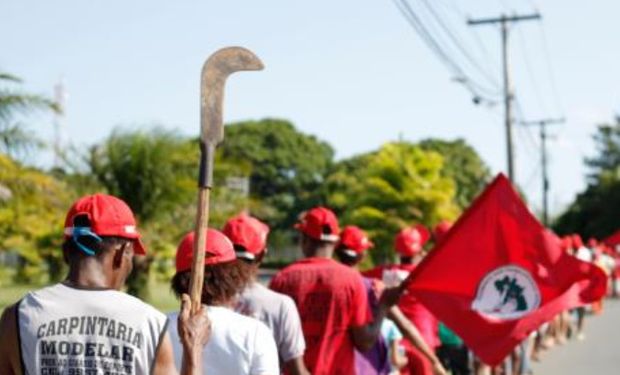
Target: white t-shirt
point(239, 345)
point(584, 254)
point(279, 313)
point(65, 330)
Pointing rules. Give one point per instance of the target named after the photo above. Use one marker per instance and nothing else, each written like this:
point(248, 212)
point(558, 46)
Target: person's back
point(279, 313)
point(249, 237)
point(69, 330)
point(331, 299)
point(86, 325)
point(238, 344)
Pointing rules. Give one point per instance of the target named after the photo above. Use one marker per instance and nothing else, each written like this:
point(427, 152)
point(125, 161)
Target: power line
point(521, 117)
point(452, 6)
point(459, 44)
point(436, 47)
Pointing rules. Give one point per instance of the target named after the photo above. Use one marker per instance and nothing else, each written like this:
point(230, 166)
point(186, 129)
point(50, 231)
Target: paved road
point(598, 354)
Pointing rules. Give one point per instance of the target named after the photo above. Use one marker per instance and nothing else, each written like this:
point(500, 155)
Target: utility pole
point(504, 21)
point(543, 145)
point(60, 98)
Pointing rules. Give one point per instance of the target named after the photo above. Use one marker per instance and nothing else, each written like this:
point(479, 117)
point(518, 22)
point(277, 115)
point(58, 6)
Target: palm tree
point(14, 138)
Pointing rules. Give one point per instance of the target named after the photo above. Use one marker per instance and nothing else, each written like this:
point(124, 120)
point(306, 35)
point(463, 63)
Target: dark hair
point(316, 244)
point(221, 283)
point(345, 258)
point(71, 249)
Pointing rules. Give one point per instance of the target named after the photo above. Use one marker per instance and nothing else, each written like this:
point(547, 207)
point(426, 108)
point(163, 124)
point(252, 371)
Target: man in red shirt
point(408, 244)
point(331, 298)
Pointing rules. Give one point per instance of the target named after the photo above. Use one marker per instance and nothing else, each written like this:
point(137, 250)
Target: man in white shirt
point(277, 311)
point(86, 324)
point(239, 345)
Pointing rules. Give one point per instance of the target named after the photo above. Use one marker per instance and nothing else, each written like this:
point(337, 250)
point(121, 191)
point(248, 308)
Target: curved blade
point(215, 71)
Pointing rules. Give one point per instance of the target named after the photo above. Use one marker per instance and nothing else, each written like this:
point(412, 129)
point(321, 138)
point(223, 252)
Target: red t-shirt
point(331, 298)
point(419, 315)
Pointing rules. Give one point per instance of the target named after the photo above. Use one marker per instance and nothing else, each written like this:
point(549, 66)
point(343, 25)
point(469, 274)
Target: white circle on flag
point(508, 292)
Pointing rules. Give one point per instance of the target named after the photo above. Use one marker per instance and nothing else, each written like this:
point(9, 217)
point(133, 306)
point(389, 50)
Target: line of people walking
point(320, 315)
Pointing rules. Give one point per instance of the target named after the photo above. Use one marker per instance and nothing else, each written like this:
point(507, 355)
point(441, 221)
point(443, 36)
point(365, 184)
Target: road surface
point(598, 354)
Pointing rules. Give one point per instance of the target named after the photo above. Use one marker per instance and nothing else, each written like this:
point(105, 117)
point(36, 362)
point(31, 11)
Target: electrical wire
point(459, 43)
point(423, 31)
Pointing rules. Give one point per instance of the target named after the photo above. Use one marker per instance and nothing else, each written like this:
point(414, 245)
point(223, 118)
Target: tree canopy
point(463, 165)
point(31, 217)
point(384, 191)
point(286, 166)
point(594, 213)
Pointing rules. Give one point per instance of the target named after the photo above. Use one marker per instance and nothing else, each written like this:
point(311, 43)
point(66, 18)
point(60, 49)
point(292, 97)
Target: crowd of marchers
point(320, 315)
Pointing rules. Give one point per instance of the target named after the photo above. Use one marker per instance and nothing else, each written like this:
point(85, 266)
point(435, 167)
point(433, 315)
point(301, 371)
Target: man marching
point(277, 311)
point(408, 244)
point(331, 298)
point(86, 324)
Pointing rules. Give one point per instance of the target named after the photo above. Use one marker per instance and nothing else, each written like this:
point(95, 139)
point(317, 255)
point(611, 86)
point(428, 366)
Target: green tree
point(155, 171)
point(384, 191)
point(463, 165)
point(31, 219)
point(606, 162)
point(594, 211)
point(15, 139)
point(286, 167)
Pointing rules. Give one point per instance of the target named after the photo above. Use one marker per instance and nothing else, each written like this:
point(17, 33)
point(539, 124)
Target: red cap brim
point(138, 247)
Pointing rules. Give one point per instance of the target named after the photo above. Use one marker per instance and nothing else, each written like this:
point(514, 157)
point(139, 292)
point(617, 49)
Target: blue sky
point(352, 72)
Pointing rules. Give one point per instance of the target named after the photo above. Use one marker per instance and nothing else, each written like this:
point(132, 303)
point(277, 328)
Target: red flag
point(499, 274)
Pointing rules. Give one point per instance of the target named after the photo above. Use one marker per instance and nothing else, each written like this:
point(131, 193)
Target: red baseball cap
point(441, 230)
point(409, 241)
point(108, 216)
point(592, 243)
point(354, 240)
point(219, 249)
point(567, 243)
point(320, 223)
point(248, 232)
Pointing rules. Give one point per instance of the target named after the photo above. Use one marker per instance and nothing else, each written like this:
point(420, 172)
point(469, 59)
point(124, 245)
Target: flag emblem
point(508, 292)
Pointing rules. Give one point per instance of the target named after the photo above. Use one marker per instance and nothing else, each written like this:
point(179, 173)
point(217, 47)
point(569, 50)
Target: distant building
point(5, 193)
point(239, 184)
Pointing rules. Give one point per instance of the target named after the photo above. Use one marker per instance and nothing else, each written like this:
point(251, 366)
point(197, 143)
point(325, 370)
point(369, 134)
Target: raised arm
point(411, 333)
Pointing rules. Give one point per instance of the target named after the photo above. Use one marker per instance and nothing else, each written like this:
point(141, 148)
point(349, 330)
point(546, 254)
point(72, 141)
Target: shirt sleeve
point(290, 338)
point(265, 359)
point(394, 333)
point(360, 307)
point(276, 283)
